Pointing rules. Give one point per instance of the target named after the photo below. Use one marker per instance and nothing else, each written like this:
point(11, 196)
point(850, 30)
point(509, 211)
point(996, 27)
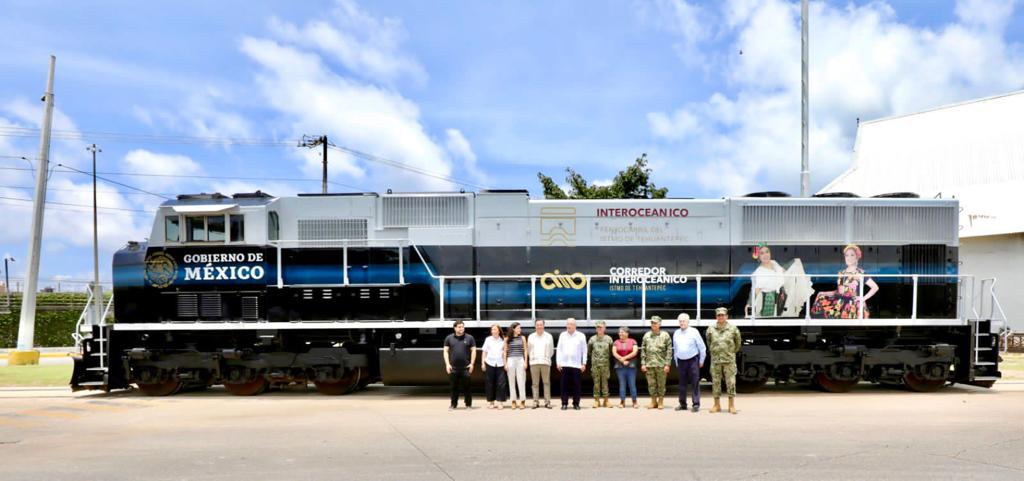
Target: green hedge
point(53, 328)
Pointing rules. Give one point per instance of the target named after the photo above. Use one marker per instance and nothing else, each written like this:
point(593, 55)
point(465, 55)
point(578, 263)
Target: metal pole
point(26, 328)
point(323, 141)
point(97, 297)
point(7, 280)
point(805, 168)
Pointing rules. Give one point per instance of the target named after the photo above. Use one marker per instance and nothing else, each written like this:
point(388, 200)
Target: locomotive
point(342, 290)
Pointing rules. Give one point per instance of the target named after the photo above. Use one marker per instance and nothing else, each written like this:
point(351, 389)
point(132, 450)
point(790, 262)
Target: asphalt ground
point(786, 432)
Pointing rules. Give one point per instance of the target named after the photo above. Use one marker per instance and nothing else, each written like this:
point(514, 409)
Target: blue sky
point(489, 93)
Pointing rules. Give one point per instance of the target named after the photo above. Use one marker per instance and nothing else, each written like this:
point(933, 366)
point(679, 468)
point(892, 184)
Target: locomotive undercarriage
point(343, 361)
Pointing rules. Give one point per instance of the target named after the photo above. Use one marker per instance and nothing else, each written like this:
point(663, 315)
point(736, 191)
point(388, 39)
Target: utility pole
point(7, 279)
point(308, 141)
point(805, 167)
point(97, 292)
point(26, 329)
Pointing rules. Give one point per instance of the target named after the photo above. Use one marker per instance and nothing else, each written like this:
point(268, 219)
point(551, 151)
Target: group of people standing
point(508, 355)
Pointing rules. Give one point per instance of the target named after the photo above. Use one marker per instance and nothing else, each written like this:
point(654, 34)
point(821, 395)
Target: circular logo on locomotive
point(161, 269)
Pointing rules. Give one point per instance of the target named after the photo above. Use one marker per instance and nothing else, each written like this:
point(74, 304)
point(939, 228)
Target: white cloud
point(687, 21)
point(314, 99)
point(865, 64)
point(675, 126)
point(365, 45)
point(992, 14)
point(148, 162)
point(460, 149)
point(67, 223)
point(204, 113)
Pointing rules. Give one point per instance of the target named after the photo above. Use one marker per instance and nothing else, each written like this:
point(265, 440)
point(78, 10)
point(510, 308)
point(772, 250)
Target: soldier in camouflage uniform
point(599, 351)
point(724, 342)
point(655, 360)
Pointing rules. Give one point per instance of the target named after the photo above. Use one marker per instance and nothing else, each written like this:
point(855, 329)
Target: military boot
point(653, 404)
point(597, 402)
point(732, 407)
point(717, 408)
point(604, 402)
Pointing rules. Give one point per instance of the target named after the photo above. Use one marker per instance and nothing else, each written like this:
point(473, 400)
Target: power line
point(9, 131)
point(76, 205)
point(55, 189)
point(116, 182)
point(213, 177)
point(404, 166)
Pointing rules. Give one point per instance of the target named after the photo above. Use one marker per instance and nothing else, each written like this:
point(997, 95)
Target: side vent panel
point(210, 306)
point(331, 230)
point(188, 306)
point(426, 211)
point(793, 223)
point(250, 308)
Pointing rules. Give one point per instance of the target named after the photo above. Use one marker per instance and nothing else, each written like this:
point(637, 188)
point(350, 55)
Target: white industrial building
point(971, 151)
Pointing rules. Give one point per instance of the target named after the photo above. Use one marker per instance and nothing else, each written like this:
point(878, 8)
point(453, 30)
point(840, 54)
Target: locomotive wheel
point(828, 384)
point(251, 388)
point(365, 379)
point(747, 387)
point(165, 388)
point(918, 384)
point(345, 385)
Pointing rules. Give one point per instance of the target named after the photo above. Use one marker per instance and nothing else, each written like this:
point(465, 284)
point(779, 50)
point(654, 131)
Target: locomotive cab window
point(215, 228)
point(207, 228)
point(273, 226)
point(172, 228)
point(237, 228)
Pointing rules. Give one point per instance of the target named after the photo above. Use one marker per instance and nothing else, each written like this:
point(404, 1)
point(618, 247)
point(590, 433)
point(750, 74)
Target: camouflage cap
point(721, 310)
point(599, 323)
point(656, 319)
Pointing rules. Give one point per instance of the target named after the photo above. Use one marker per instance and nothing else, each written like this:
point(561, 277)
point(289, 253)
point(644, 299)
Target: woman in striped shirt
point(515, 365)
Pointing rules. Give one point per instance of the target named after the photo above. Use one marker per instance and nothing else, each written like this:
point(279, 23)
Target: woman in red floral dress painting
point(845, 301)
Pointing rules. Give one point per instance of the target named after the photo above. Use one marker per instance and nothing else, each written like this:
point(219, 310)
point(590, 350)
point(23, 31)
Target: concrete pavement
point(407, 433)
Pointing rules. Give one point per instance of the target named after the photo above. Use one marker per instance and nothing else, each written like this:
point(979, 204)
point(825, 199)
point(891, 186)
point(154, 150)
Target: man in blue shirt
point(689, 353)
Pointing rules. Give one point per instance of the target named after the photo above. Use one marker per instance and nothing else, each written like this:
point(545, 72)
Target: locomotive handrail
point(966, 282)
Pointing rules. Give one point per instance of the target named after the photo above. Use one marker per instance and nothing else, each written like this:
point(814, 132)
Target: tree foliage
point(632, 183)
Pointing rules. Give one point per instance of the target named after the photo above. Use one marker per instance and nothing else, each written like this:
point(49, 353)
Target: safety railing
point(966, 295)
point(84, 318)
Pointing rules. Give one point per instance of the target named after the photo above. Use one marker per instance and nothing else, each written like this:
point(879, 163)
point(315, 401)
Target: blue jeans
point(627, 376)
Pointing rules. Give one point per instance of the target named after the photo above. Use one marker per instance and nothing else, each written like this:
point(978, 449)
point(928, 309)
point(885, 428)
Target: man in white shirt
point(541, 348)
point(571, 359)
point(689, 353)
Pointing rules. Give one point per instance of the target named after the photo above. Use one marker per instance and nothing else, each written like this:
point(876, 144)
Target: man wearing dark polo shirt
point(459, 357)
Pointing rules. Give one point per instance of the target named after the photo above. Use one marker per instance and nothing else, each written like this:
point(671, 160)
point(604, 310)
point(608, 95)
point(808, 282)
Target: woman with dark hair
point(625, 351)
point(516, 365)
point(493, 364)
point(846, 302)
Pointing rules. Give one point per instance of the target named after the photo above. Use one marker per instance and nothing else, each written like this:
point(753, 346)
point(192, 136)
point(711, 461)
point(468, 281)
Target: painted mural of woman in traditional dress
point(845, 302)
point(777, 291)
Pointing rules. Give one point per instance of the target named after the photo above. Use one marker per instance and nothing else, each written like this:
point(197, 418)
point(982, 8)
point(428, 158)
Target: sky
point(463, 94)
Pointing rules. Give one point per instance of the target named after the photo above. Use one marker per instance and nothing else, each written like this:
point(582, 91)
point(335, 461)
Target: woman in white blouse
point(777, 291)
point(493, 365)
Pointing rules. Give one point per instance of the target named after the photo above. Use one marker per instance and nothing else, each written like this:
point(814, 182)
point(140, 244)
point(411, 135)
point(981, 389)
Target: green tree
point(632, 183)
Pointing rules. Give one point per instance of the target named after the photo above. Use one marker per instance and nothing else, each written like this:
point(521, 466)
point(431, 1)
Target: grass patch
point(35, 376)
point(1012, 366)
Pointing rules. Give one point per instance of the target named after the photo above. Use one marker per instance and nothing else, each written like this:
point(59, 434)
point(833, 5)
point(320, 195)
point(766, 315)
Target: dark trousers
point(495, 384)
point(570, 385)
point(459, 380)
point(689, 373)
